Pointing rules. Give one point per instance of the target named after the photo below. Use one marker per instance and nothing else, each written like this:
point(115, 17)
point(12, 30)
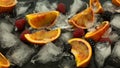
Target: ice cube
point(20, 54)
point(44, 5)
point(66, 36)
point(114, 59)
point(48, 53)
point(5, 26)
point(116, 21)
point(74, 7)
point(102, 51)
point(8, 40)
point(114, 37)
point(108, 6)
point(62, 22)
point(67, 61)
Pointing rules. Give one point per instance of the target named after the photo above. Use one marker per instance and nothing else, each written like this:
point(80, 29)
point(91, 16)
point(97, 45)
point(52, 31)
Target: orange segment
point(95, 4)
point(43, 36)
point(116, 2)
point(84, 19)
point(97, 34)
point(7, 5)
point(82, 51)
point(44, 19)
point(4, 63)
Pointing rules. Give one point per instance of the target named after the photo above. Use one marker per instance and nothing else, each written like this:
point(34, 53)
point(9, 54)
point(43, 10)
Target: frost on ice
point(20, 54)
point(8, 40)
point(48, 53)
point(102, 51)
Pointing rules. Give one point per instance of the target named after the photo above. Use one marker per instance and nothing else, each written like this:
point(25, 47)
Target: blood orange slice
point(82, 51)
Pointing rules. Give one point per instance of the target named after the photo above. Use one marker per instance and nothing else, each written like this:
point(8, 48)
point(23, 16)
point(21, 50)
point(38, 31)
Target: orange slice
point(97, 34)
point(82, 51)
point(84, 19)
point(116, 2)
point(43, 19)
point(95, 4)
point(7, 5)
point(4, 63)
point(43, 36)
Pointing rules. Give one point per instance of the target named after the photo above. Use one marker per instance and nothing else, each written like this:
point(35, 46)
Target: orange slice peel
point(4, 63)
point(84, 19)
point(96, 6)
point(43, 36)
point(97, 34)
point(7, 5)
point(43, 19)
point(82, 51)
point(116, 2)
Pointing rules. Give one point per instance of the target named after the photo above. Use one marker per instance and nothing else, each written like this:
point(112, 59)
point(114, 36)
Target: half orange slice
point(7, 5)
point(97, 34)
point(116, 2)
point(84, 19)
point(82, 51)
point(43, 36)
point(96, 6)
point(4, 63)
point(43, 19)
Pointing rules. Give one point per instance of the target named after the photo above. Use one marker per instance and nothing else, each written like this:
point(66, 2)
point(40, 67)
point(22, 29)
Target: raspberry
point(105, 40)
point(61, 7)
point(20, 24)
point(78, 32)
point(22, 37)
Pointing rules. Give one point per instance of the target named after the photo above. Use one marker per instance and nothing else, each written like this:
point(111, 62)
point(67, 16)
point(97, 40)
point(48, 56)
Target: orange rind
point(82, 51)
point(84, 19)
point(96, 6)
point(4, 63)
point(97, 34)
point(43, 36)
point(116, 2)
point(43, 19)
point(7, 5)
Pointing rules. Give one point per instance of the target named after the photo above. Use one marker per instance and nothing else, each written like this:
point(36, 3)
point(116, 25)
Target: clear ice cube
point(20, 54)
point(5, 26)
point(102, 51)
point(8, 40)
point(108, 6)
point(116, 21)
point(48, 53)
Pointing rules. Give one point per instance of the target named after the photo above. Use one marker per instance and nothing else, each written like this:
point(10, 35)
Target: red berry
point(20, 24)
point(61, 8)
point(22, 37)
point(105, 40)
point(78, 32)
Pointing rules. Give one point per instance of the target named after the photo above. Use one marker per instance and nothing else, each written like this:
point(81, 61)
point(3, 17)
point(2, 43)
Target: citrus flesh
point(4, 63)
point(43, 36)
point(116, 2)
point(84, 19)
point(82, 51)
point(97, 34)
point(96, 6)
point(43, 19)
point(7, 5)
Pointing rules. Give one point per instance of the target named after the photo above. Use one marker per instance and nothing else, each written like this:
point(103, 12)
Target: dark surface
point(54, 64)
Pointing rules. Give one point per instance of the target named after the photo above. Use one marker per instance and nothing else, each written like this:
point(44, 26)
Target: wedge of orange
point(4, 63)
point(43, 36)
point(97, 34)
point(82, 51)
point(84, 19)
point(96, 6)
point(116, 2)
point(7, 5)
point(43, 19)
